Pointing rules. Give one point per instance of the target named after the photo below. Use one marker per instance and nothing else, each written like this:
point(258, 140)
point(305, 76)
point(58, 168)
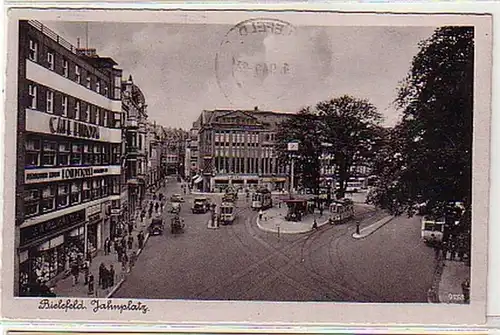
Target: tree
point(429, 158)
point(304, 127)
point(352, 126)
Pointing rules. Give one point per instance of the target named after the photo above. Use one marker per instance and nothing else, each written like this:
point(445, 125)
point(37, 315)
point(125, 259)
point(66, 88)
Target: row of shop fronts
point(220, 182)
point(47, 248)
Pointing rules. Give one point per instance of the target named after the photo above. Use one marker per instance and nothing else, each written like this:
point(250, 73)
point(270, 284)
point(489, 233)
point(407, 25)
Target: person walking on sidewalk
point(140, 239)
point(124, 261)
point(106, 246)
point(133, 259)
point(157, 205)
point(86, 272)
point(75, 271)
point(130, 227)
point(115, 245)
point(143, 214)
point(130, 241)
point(102, 276)
point(260, 214)
point(315, 224)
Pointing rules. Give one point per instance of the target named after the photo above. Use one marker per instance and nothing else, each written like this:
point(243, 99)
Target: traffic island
point(367, 231)
point(273, 221)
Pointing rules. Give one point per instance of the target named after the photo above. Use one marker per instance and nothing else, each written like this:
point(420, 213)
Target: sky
point(184, 69)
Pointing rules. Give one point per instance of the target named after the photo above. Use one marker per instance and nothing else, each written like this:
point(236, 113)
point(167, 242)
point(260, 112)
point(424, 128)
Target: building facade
point(68, 157)
point(237, 148)
point(135, 160)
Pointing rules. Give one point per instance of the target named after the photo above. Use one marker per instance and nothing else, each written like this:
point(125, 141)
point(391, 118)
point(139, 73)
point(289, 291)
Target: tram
point(262, 199)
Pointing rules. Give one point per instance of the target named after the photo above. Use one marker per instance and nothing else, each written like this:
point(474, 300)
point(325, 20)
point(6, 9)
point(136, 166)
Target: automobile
point(156, 227)
point(176, 208)
point(201, 205)
point(176, 198)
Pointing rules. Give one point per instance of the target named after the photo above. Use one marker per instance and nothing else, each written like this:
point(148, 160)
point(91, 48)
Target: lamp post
point(326, 145)
point(293, 146)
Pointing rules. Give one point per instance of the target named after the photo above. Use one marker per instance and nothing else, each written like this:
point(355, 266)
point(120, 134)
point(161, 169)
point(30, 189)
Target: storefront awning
point(198, 180)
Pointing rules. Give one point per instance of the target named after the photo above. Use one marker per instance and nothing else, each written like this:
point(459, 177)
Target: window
point(105, 118)
point(50, 60)
point(32, 152)
point(98, 86)
point(115, 154)
point(76, 191)
point(63, 154)
point(49, 153)
point(118, 90)
point(87, 154)
point(86, 117)
point(106, 93)
point(65, 67)
point(97, 154)
point(86, 191)
point(117, 120)
point(89, 82)
point(33, 54)
point(76, 154)
point(105, 187)
point(96, 189)
point(50, 102)
point(48, 198)
point(31, 202)
point(97, 116)
point(78, 75)
point(64, 106)
point(63, 195)
point(33, 95)
point(77, 110)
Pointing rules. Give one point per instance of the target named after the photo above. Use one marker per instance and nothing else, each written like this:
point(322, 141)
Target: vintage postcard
point(246, 167)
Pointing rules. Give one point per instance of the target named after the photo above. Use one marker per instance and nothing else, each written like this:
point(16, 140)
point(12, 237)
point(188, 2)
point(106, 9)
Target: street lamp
point(293, 146)
point(327, 145)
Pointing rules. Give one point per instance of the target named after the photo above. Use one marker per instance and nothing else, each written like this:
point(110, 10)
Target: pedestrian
point(150, 212)
point(124, 261)
point(157, 205)
point(315, 224)
point(115, 245)
point(143, 214)
point(130, 241)
point(260, 214)
point(111, 274)
point(106, 246)
point(133, 259)
point(123, 243)
point(91, 285)
point(321, 211)
point(102, 275)
point(75, 271)
point(444, 248)
point(130, 227)
point(466, 290)
point(357, 228)
point(86, 270)
point(437, 249)
point(140, 239)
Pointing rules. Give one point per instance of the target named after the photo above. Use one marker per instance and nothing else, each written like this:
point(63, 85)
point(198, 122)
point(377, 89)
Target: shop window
point(49, 153)
point(76, 191)
point(31, 202)
point(50, 60)
point(77, 110)
point(87, 154)
point(33, 92)
point(86, 191)
point(63, 196)
point(32, 152)
point(50, 102)
point(50, 261)
point(76, 154)
point(65, 67)
point(48, 198)
point(78, 75)
point(33, 54)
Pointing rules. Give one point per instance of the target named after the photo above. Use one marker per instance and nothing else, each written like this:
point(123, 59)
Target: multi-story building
point(68, 154)
point(192, 163)
point(135, 146)
point(237, 147)
point(154, 135)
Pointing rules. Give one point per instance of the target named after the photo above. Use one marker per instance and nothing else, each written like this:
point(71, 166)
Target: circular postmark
point(256, 59)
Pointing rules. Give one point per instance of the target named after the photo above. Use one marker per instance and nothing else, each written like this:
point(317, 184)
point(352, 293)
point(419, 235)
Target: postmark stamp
point(254, 59)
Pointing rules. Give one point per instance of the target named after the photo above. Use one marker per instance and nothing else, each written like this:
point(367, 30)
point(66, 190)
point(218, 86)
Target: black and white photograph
point(323, 161)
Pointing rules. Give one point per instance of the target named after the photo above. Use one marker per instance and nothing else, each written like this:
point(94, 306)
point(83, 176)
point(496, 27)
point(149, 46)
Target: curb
point(373, 227)
point(120, 283)
point(271, 230)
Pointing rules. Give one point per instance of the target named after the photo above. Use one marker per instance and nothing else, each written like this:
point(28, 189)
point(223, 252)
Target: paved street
point(241, 262)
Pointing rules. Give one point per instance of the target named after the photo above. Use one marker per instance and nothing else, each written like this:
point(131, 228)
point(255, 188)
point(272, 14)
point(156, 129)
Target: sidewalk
point(64, 287)
point(367, 231)
point(454, 273)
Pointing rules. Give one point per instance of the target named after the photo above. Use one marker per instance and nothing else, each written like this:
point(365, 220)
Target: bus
point(262, 199)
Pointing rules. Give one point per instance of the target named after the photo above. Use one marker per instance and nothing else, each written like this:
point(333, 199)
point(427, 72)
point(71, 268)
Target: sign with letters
point(41, 175)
